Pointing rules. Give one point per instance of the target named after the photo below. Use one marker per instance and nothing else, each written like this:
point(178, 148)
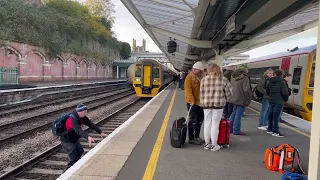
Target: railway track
point(42, 121)
point(61, 97)
point(51, 163)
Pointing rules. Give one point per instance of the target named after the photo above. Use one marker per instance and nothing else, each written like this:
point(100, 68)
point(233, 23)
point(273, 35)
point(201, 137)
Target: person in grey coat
point(241, 98)
point(261, 87)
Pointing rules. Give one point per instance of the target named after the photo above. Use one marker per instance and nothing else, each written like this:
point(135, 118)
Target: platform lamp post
point(314, 158)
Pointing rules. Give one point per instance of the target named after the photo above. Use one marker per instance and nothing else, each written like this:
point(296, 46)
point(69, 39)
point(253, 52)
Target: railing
point(8, 75)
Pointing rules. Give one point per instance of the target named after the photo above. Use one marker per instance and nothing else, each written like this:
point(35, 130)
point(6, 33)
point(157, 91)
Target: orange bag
point(271, 159)
point(287, 154)
point(282, 158)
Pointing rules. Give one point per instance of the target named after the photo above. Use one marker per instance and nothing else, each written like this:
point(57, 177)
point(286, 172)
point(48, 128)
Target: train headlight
point(155, 80)
point(137, 79)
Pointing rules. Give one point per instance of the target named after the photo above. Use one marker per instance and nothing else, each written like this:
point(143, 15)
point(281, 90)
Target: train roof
point(151, 59)
point(302, 50)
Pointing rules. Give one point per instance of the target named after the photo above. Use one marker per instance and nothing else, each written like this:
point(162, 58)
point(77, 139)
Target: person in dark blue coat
point(278, 93)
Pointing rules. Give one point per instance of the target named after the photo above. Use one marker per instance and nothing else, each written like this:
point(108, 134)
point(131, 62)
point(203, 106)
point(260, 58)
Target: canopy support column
point(314, 158)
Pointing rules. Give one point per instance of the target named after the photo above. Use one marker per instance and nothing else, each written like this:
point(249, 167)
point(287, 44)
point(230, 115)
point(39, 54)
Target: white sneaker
point(278, 134)
point(215, 148)
point(262, 128)
point(270, 132)
point(208, 146)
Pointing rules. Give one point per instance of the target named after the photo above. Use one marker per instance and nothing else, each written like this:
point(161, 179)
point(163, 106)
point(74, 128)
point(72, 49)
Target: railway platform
point(140, 148)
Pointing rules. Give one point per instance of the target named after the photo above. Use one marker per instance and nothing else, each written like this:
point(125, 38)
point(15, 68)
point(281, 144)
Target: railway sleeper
point(44, 171)
point(55, 163)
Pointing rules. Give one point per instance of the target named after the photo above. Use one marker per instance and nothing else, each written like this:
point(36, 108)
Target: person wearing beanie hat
point(70, 140)
point(192, 96)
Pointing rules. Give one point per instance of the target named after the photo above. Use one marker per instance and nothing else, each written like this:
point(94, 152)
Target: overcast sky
point(126, 28)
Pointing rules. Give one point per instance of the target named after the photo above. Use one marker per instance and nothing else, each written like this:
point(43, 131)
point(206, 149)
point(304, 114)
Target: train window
point(156, 72)
point(138, 71)
point(256, 74)
point(311, 82)
point(296, 76)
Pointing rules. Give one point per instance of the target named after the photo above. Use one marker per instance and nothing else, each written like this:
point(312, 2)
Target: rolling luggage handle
point(187, 118)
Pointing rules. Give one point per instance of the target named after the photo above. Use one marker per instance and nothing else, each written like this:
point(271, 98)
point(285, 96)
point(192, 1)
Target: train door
point(146, 75)
point(297, 83)
point(285, 64)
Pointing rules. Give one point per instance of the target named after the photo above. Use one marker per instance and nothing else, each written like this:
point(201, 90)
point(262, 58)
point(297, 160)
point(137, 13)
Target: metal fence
point(8, 75)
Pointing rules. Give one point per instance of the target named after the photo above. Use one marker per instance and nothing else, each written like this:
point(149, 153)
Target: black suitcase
point(178, 133)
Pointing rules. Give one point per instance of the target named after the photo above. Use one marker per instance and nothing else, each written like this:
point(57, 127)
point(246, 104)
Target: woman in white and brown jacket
point(215, 89)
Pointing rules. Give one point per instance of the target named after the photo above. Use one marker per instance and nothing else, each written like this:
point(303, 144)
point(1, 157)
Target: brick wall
point(34, 65)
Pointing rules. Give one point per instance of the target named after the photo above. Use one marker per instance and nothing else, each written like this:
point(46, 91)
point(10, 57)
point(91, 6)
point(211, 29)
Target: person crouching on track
point(278, 93)
point(215, 89)
point(192, 95)
point(70, 141)
point(240, 99)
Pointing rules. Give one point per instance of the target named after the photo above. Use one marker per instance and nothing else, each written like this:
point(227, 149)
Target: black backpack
point(58, 126)
point(257, 94)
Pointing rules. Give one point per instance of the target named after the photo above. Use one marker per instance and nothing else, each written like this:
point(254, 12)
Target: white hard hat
point(198, 65)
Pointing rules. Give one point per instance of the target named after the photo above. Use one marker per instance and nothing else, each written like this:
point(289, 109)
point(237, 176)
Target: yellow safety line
point(294, 129)
point(153, 160)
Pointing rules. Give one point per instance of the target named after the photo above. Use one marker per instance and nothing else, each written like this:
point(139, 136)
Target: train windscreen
point(156, 72)
point(311, 82)
point(138, 71)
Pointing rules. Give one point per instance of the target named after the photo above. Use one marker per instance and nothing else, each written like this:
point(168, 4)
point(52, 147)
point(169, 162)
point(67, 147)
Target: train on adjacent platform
point(300, 62)
point(147, 77)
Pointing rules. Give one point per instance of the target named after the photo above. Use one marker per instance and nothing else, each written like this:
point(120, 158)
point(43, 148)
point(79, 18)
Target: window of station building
point(138, 71)
point(296, 76)
point(311, 82)
point(156, 72)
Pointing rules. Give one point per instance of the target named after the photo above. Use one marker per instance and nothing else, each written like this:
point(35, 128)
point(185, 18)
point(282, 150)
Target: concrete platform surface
point(299, 123)
point(243, 160)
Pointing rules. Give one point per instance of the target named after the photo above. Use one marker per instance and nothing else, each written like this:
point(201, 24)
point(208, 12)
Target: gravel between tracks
point(50, 108)
point(39, 142)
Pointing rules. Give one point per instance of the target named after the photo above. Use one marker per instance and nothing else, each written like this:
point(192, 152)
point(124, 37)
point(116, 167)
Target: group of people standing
point(213, 94)
point(275, 90)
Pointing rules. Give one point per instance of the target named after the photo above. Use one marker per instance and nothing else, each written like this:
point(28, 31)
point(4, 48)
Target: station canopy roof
point(206, 28)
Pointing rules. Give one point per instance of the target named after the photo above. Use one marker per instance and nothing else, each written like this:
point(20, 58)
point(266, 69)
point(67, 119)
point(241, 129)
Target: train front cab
point(307, 99)
point(147, 81)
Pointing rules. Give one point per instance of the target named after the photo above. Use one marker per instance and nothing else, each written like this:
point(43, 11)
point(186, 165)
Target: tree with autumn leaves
point(62, 26)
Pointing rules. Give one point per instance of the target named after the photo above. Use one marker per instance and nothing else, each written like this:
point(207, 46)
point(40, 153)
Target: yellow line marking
point(294, 129)
point(153, 160)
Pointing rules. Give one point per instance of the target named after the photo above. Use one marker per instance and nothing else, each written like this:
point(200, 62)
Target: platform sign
point(231, 24)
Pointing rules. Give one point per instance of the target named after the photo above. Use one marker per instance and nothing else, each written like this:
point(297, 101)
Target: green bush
point(59, 26)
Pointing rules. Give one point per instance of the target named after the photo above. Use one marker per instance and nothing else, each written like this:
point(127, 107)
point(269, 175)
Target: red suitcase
point(224, 133)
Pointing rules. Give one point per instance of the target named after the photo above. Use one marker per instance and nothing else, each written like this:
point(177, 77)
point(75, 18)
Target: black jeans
point(74, 151)
point(196, 118)
point(274, 117)
point(227, 110)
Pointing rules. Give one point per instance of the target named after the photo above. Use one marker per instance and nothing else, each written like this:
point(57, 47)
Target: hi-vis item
point(282, 158)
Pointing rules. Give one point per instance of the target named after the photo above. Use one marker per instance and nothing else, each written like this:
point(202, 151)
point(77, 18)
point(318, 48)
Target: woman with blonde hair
point(215, 89)
point(261, 87)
